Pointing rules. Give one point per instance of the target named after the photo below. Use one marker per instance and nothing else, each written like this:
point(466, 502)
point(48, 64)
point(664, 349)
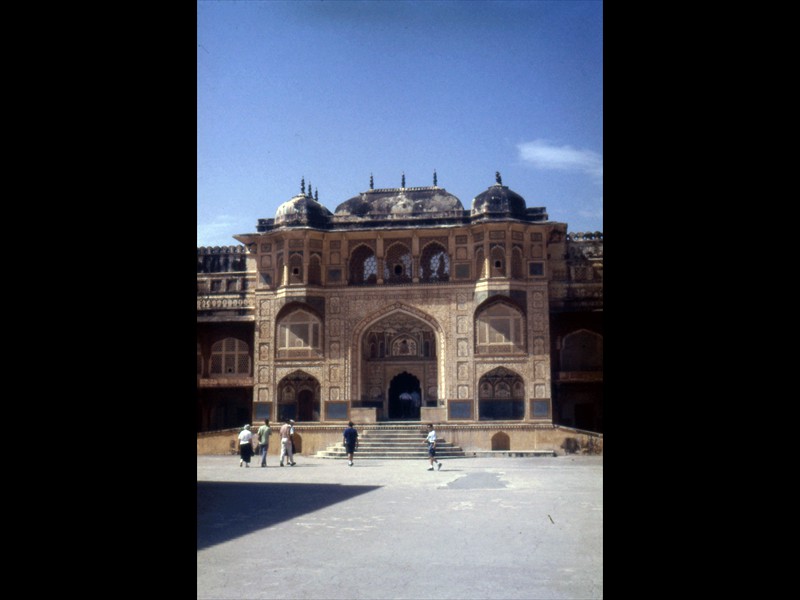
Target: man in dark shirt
point(350, 440)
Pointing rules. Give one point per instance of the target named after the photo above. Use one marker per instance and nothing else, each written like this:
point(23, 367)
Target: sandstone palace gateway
point(401, 306)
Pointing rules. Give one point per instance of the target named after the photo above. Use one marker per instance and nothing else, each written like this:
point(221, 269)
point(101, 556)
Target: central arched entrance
point(399, 358)
point(405, 397)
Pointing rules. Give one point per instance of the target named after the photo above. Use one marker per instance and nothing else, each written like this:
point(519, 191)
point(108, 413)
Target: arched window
point(501, 396)
point(230, 357)
point(299, 398)
point(299, 335)
point(314, 270)
point(497, 262)
point(582, 351)
point(500, 329)
point(517, 272)
point(434, 264)
point(363, 266)
point(296, 268)
point(397, 265)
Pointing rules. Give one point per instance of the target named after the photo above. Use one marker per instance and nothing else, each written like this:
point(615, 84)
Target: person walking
point(431, 441)
point(263, 441)
point(245, 446)
point(286, 431)
point(350, 441)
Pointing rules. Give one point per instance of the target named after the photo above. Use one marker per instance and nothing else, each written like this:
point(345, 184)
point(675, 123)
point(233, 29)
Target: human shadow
point(227, 510)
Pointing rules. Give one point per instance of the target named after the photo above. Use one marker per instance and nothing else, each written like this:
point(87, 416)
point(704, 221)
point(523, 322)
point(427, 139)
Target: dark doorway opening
point(405, 398)
point(305, 406)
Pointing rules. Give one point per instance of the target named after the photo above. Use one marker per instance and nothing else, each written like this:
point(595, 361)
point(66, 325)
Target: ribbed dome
point(399, 202)
point(499, 201)
point(302, 210)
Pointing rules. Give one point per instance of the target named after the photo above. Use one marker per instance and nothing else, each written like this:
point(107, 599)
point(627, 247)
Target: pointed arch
point(501, 395)
point(298, 332)
point(434, 264)
point(363, 266)
point(299, 397)
point(296, 268)
point(315, 270)
point(499, 328)
point(397, 264)
point(582, 350)
point(497, 261)
point(517, 271)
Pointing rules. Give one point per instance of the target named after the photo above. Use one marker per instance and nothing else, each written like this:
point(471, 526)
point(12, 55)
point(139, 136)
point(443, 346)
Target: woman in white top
point(245, 447)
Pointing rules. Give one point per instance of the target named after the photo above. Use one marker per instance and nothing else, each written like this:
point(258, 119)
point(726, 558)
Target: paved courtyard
point(481, 528)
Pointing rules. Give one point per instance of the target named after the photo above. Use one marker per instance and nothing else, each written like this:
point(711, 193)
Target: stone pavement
point(481, 528)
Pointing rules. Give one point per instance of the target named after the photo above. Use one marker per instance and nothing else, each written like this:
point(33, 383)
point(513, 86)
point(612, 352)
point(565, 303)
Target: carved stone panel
point(539, 390)
point(265, 308)
point(540, 370)
point(263, 375)
point(463, 370)
point(263, 394)
point(335, 326)
point(463, 347)
point(463, 392)
point(462, 324)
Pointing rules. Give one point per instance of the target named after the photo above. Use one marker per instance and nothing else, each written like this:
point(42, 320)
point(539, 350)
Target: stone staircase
point(393, 442)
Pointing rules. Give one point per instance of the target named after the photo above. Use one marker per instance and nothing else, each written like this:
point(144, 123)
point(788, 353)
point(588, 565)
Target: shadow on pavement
point(227, 510)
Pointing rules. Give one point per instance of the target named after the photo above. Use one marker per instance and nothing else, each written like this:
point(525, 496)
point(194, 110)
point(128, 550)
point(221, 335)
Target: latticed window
point(397, 266)
point(501, 395)
point(299, 335)
point(500, 330)
point(434, 265)
point(363, 266)
point(230, 356)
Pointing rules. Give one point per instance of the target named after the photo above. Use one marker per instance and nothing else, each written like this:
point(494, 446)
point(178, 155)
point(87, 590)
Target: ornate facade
point(402, 306)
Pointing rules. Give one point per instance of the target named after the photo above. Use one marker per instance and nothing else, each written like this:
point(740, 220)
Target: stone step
point(401, 441)
point(388, 455)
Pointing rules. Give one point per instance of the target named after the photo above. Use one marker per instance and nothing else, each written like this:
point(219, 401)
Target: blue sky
point(332, 91)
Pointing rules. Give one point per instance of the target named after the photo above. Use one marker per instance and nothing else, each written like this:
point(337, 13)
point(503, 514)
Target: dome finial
point(303, 185)
point(403, 184)
point(309, 187)
point(434, 178)
point(316, 195)
point(371, 182)
point(497, 178)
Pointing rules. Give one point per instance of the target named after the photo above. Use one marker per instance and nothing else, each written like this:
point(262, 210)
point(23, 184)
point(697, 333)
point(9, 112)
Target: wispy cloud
point(217, 232)
point(543, 155)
